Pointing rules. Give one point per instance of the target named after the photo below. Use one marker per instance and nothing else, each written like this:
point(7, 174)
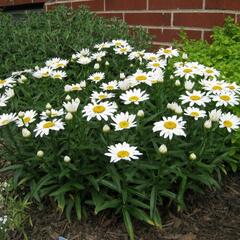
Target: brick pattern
point(164, 19)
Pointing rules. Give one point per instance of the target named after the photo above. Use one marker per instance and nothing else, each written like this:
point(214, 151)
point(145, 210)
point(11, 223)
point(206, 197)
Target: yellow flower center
point(118, 44)
point(48, 124)
point(167, 51)
point(231, 87)
point(123, 154)
point(227, 123)
point(153, 58)
point(209, 71)
point(170, 125)
point(141, 78)
point(134, 98)
point(123, 50)
point(75, 88)
point(102, 96)
point(195, 97)
point(109, 87)
point(60, 65)
point(156, 64)
point(57, 76)
point(2, 81)
point(124, 124)
point(217, 87)
point(5, 122)
point(187, 70)
point(225, 98)
point(195, 114)
point(45, 74)
point(26, 119)
point(99, 109)
point(97, 78)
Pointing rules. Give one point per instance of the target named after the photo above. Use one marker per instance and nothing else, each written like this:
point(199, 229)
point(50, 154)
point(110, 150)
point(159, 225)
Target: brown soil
point(214, 216)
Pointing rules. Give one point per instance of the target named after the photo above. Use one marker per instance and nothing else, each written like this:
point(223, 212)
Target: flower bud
point(26, 133)
point(99, 59)
point(106, 128)
point(23, 78)
point(48, 106)
point(68, 98)
point(67, 159)
point(192, 156)
point(140, 113)
point(208, 124)
point(69, 116)
point(96, 66)
point(122, 75)
point(40, 153)
point(177, 83)
point(184, 56)
point(21, 114)
point(163, 149)
point(107, 63)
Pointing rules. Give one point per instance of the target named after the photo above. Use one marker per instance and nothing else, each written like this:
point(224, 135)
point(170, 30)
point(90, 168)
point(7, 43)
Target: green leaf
point(128, 223)
point(78, 207)
point(141, 215)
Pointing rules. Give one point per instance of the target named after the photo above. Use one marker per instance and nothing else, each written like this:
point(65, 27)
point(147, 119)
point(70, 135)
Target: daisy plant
point(118, 128)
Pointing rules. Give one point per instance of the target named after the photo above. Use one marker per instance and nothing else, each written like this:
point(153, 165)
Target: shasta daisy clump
point(117, 127)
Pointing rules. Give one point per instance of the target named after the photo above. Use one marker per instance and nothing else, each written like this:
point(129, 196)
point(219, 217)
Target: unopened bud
point(69, 116)
point(208, 124)
point(140, 113)
point(96, 66)
point(177, 83)
point(67, 159)
point(26, 133)
point(48, 106)
point(40, 153)
point(192, 156)
point(163, 149)
point(106, 128)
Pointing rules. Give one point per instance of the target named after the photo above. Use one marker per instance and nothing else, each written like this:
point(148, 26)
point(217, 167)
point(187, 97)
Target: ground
point(213, 216)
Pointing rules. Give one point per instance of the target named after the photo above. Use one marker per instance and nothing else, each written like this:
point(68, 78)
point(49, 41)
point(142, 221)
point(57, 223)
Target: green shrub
point(38, 36)
point(62, 138)
point(223, 54)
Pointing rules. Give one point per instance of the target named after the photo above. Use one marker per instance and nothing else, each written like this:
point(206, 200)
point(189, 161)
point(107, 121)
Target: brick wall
point(6, 3)
point(164, 19)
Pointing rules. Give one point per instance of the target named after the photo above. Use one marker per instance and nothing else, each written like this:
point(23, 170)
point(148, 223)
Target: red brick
point(93, 5)
point(20, 2)
point(126, 4)
point(205, 20)
point(148, 19)
point(4, 3)
point(50, 7)
point(174, 4)
point(111, 15)
point(207, 35)
point(223, 4)
point(168, 35)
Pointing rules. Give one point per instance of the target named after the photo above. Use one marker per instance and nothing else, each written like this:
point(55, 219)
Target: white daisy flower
point(233, 87)
point(100, 111)
point(26, 118)
point(72, 106)
point(151, 56)
point(99, 96)
point(42, 72)
point(8, 82)
point(210, 72)
point(122, 151)
point(119, 43)
point(168, 52)
point(75, 87)
point(123, 50)
point(58, 74)
point(103, 45)
point(44, 127)
point(84, 60)
point(225, 99)
point(123, 121)
point(215, 115)
point(213, 86)
point(113, 85)
point(229, 121)
point(96, 77)
point(196, 97)
point(99, 55)
point(51, 113)
point(134, 96)
point(140, 77)
point(186, 72)
point(55, 63)
point(136, 55)
point(156, 76)
point(7, 118)
point(154, 65)
point(3, 100)
point(170, 126)
point(194, 112)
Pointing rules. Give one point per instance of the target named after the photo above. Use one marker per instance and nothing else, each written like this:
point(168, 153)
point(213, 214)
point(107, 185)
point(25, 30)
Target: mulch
point(213, 216)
